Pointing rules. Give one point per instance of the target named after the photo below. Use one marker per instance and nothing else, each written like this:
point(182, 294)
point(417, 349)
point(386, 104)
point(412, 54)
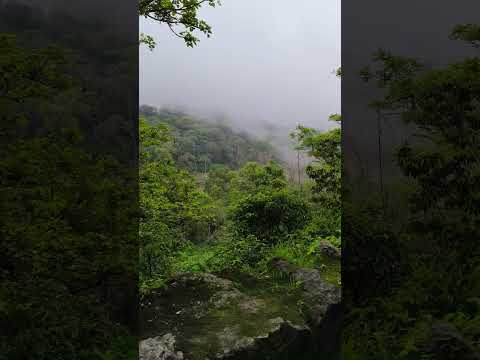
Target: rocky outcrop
point(325, 248)
point(159, 348)
point(202, 316)
point(280, 340)
point(445, 343)
point(205, 317)
point(323, 308)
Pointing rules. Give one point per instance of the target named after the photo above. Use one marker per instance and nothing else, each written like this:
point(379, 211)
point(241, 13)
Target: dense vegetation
point(69, 209)
point(200, 146)
point(66, 249)
point(181, 16)
point(427, 270)
point(243, 211)
point(235, 221)
point(69, 197)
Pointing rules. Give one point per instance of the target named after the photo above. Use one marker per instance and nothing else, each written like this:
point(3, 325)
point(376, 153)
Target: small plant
point(295, 284)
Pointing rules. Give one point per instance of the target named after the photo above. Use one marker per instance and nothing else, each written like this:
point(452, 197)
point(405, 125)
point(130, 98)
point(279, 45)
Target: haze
point(268, 62)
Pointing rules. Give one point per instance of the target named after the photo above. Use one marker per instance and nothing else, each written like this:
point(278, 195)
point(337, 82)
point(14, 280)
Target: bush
point(270, 216)
point(238, 253)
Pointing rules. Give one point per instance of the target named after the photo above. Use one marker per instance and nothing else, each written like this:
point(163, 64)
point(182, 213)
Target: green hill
point(202, 144)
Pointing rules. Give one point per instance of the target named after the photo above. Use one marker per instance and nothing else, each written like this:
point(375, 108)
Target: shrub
point(270, 216)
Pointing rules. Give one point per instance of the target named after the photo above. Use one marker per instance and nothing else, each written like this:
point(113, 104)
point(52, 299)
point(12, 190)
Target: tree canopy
point(325, 171)
point(200, 145)
point(181, 17)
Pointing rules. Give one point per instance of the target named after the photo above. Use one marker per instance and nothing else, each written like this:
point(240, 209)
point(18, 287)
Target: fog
point(424, 36)
point(268, 62)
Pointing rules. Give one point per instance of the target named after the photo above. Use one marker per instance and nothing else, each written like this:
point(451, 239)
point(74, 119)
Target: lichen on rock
point(209, 317)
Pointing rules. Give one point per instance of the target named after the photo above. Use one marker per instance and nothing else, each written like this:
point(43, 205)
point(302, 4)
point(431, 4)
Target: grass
point(194, 258)
point(221, 257)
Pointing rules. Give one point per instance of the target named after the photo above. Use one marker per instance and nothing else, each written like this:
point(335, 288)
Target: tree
point(173, 210)
point(436, 267)
point(196, 140)
point(68, 204)
point(443, 104)
point(325, 147)
point(181, 16)
point(325, 171)
point(270, 215)
point(26, 75)
point(219, 181)
point(254, 177)
point(261, 204)
point(61, 243)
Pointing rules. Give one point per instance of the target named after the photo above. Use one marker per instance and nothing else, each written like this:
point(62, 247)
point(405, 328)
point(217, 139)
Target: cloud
point(268, 61)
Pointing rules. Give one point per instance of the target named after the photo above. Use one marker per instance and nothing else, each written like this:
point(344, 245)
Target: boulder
point(446, 343)
point(159, 348)
point(202, 316)
point(280, 340)
point(327, 249)
point(323, 308)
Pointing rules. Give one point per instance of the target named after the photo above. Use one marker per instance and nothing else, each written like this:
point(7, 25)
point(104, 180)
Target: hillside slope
point(201, 145)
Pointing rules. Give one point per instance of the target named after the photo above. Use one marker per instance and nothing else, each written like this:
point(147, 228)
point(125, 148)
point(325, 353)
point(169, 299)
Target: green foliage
point(147, 40)
point(26, 75)
point(296, 253)
point(467, 32)
point(195, 259)
point(173, 210)
point(29, 74)
point(218, 182)
point(255, 178)
point(270, 216)
point(261, 204)
point(262, 211)
point(232, 254)
point(175, 14)
point(57, 250)
point(239, 254)
point(66, 224)
point(254, 214)
point(325, 171)
point(201, 146)
point(437, 251)
point(443, 103)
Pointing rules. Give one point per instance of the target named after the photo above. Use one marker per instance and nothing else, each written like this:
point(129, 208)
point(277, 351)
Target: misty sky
point(267, 61)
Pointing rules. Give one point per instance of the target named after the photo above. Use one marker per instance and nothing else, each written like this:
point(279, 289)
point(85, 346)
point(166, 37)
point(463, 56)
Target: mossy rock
point(322, 303)
point(211, 318)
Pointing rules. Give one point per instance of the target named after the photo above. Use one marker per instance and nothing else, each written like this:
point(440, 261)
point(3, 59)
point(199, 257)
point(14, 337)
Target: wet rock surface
point(205, 317)
point(445, 342)
point(327, 249)
point(324, 312)
point(159, 348)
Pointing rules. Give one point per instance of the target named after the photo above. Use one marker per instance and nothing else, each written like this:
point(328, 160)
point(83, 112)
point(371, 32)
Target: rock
point(323, 308)
point(202, 316)
point(446, 343)
point(224, 297)
point(252, 305)
point(159, 348)
point(281, 340)
point(327, 249)
point(184, 279)
point(319, 294)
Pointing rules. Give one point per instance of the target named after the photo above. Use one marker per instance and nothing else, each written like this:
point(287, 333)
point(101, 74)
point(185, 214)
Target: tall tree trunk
point(380, 158)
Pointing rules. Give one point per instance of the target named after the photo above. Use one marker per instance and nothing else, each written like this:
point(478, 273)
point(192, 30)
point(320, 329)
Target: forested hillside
point(255, 201)
point(200, 145)
point(239, 246)
point(248, 228)
point(68, 211)
point(419, 262)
